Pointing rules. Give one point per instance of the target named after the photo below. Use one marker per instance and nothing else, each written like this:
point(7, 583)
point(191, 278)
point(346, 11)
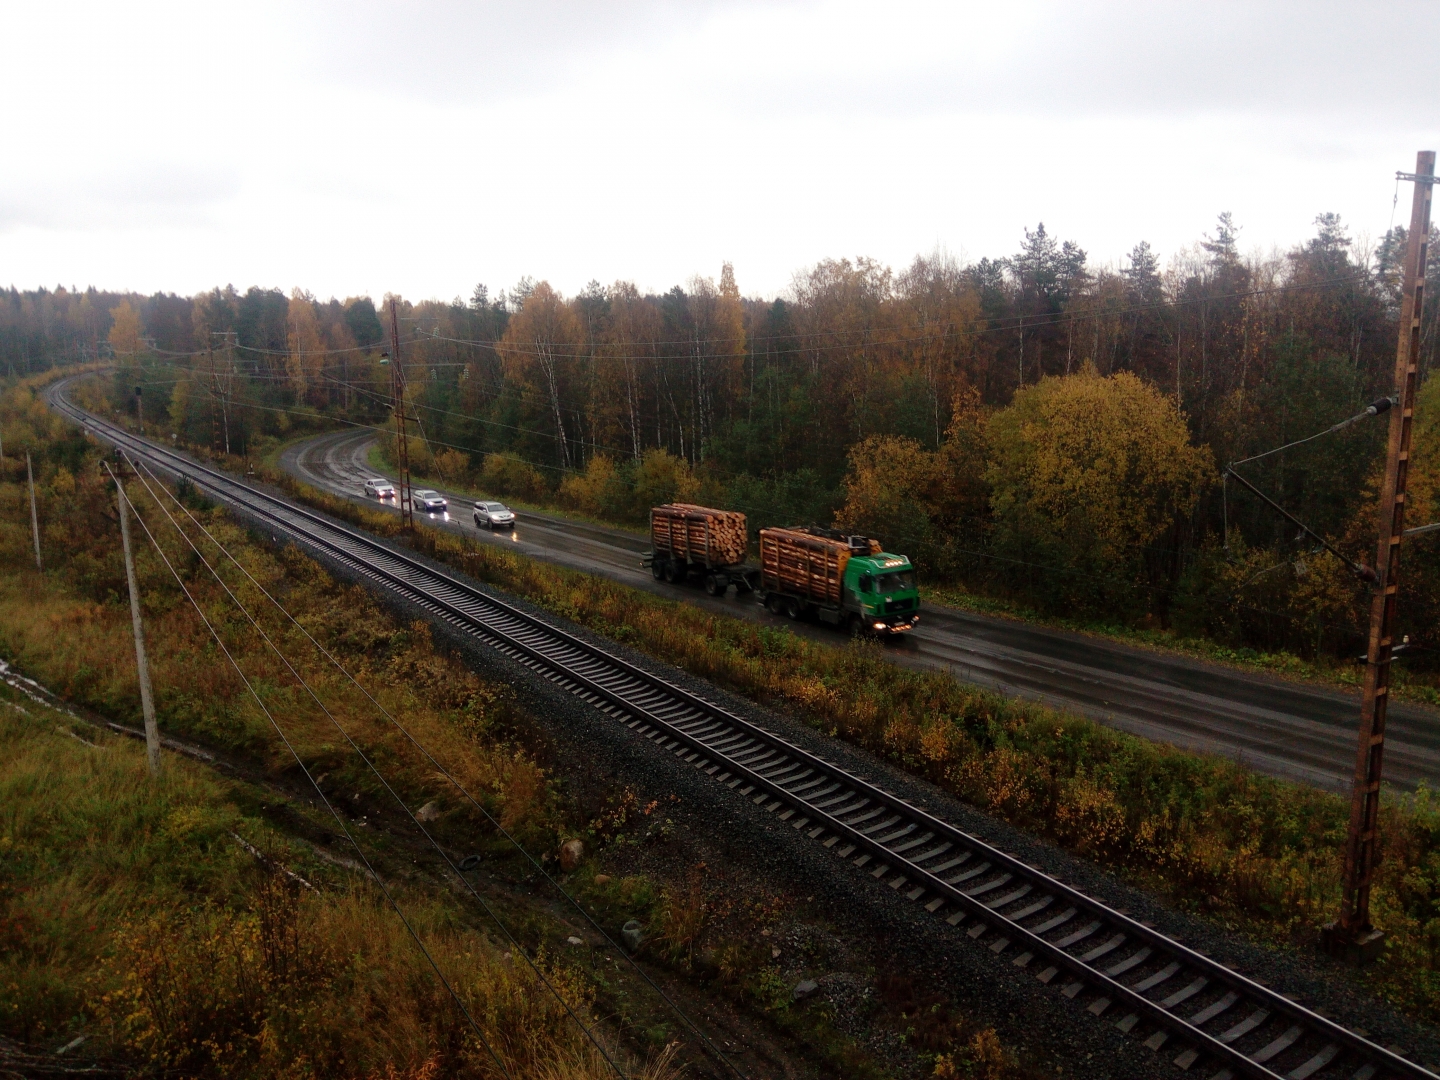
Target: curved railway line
point(1197, 1014)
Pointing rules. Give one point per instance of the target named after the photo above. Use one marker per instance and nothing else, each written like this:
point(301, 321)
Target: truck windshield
point(888, 583)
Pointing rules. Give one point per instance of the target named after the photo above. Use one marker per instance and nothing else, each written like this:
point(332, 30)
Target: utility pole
point(214, 396)
point(1352, 935)
point(397, 405)
point(139, 410)
point(223, 385)
point(147, 697)
point(34, 515)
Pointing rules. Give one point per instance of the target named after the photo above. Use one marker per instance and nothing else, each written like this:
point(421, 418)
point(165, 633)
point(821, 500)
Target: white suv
point(379, 488)
point(494, 515)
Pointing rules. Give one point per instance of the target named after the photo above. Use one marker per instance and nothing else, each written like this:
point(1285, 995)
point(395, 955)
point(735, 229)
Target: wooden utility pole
point(34, 514)
point(1352, 935)
point(147, 698)
point(397, 404)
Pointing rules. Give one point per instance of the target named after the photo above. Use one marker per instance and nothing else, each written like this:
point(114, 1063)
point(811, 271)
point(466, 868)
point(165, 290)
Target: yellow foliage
point(306, 360)
point(599, 491)
point(125, 330)
point(453, 466)
point(1096, 464)
point(661, 477)
point(509, 475)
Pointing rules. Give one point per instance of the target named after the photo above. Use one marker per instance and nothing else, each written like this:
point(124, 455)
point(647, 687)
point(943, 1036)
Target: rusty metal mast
point(1353, 934)
point(397, 399)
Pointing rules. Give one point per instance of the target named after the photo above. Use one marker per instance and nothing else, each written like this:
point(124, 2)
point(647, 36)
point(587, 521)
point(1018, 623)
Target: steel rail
point(1114, 960)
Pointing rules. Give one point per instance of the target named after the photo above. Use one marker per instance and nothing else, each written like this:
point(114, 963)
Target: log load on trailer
point(696, 541)
point(838, 579)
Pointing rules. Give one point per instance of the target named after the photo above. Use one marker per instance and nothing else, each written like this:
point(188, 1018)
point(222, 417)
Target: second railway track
point(1196, 1014)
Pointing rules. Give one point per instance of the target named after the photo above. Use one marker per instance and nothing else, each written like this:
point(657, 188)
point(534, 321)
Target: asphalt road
point(1272, 725)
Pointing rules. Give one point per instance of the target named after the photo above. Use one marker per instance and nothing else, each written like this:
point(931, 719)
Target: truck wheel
point(856, 628)
point(674, 572)
point(713, 585)
point(792, 608)
point(657, 569)
point(772, 603)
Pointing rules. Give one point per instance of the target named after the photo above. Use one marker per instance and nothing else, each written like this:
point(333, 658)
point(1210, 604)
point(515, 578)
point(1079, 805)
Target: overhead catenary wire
point(1375, 408)
point(339, 821)
point(445, 772)
point(295, 674)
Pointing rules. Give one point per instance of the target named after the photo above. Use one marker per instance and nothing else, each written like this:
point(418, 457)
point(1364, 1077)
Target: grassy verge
point(1258, 854)
point(134, 915)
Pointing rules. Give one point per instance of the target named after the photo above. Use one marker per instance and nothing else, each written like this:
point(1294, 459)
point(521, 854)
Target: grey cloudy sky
point(423, 147)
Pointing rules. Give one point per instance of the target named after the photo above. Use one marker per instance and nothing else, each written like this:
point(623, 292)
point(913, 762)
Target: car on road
point(432, 502)
point(494, 515)
point(379, 488)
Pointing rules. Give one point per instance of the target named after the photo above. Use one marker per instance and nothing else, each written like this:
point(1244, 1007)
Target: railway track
point(1195, 1013)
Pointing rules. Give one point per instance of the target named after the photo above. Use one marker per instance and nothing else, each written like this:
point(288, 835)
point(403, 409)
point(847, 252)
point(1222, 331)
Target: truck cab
point(880, 593)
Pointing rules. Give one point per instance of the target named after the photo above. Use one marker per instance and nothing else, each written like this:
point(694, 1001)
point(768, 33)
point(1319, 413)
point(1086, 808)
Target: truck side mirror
point(866, 581)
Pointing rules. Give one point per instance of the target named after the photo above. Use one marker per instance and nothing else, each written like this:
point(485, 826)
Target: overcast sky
point(365, 147)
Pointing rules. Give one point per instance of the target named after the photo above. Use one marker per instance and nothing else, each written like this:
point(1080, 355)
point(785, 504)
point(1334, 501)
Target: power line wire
point(354, 746)
point(428, 756)
point(480, 1034)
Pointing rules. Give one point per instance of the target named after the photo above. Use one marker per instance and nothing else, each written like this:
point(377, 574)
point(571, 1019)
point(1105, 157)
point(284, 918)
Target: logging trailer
point(695, 542)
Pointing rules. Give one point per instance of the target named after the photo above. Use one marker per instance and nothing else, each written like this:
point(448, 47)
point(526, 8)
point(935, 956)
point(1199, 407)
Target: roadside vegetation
point(137, 913)
point(1256, 854)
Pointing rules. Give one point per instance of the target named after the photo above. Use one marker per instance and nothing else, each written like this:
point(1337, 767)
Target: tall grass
point(71, 628)
point(128, 911)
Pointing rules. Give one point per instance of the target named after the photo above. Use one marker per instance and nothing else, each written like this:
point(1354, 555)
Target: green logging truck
point(804, 573)
point(839, 579)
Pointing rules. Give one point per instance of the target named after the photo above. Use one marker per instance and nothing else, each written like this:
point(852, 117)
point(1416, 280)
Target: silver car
point(379, 488)
point(432, 502)
point(494, 515)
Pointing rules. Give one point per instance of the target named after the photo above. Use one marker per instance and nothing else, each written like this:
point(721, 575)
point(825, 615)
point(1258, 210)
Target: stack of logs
point(808, 563)
point(698, 534)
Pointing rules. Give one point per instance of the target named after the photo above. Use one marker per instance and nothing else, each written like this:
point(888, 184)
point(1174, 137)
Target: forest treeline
point(1031, 427)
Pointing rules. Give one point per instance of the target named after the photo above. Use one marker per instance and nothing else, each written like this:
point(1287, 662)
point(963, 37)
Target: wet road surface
point(1283, 728)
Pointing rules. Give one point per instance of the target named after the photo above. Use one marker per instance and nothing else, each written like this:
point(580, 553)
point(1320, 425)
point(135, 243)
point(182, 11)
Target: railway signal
point(1352, 935)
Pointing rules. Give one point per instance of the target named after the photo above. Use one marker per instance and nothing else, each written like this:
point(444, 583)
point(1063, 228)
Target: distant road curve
point(1287, 729)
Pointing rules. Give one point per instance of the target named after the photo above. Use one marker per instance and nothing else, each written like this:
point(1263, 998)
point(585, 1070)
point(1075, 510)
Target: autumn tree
point(306, 357)
point(1086, 473)
point(125, 336)
point(541, 348)
point(891, 492)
